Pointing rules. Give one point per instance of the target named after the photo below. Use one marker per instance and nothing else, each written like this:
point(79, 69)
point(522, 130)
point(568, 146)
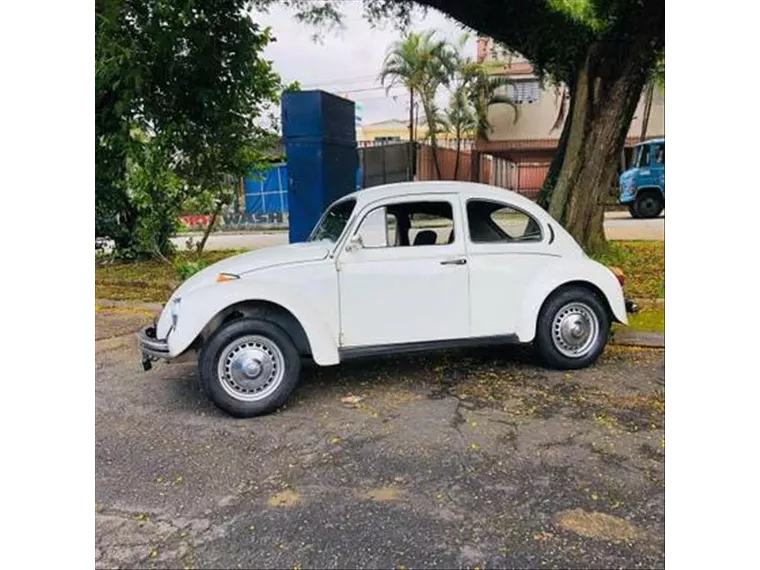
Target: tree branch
point(552, 40)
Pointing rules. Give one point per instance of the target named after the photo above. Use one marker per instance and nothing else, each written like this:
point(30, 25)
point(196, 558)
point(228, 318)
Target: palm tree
point(460, 117)
point(474, 89)
point(417, 62)
point(487, 89)
point(481, 83)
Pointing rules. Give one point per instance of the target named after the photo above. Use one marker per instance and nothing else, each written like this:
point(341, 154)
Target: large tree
point(179, 86)
point(602, 50)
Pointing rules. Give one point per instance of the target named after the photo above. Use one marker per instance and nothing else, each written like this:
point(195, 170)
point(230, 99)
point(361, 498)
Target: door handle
point(460, 261)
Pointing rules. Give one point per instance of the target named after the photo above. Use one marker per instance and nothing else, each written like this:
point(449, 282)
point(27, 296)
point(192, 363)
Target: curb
point(626, 337)
point(638, 338)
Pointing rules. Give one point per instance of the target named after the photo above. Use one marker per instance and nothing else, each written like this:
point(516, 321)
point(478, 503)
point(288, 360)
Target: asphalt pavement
point(476, 458)
point(617, 226)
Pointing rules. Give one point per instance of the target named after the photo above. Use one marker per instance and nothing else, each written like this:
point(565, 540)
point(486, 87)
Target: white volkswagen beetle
point(390, 269)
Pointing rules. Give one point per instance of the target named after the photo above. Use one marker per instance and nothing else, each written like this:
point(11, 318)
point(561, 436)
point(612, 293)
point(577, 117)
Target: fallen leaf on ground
point(351, 399)
point(597, 525)
point(287, 498)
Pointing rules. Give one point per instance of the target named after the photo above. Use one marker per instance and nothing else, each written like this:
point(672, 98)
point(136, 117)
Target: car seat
point(425, 237)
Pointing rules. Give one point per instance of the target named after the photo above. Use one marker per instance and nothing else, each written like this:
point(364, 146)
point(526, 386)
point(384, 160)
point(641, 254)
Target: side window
point(644, 156)
point(491, 222)
point(430, 223)
point(659, 154)
point(378, 229)
point(408, 224)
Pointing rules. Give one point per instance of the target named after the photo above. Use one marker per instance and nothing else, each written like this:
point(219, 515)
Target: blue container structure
point(320, 144)
point(266, 191)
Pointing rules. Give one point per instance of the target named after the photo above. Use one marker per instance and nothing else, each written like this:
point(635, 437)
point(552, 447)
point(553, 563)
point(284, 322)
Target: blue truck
point(642, 186)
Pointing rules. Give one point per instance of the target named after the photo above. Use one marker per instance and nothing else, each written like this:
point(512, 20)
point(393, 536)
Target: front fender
point(554, 276)
point(203, 304)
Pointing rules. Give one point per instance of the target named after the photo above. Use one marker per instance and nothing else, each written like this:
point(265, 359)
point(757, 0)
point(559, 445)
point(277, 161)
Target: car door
point(506, 251)
point(402, 285)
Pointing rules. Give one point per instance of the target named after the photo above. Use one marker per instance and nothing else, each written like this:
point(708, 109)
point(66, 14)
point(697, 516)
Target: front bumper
point(151, 347)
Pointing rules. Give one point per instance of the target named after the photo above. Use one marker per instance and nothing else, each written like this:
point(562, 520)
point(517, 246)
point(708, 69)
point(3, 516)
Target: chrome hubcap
point(251, 368)
point(575, 330)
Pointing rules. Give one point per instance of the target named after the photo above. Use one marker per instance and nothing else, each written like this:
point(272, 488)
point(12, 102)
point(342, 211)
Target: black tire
point(567, 300)
point(649, 205)
point(227, 336)
point(632, 210)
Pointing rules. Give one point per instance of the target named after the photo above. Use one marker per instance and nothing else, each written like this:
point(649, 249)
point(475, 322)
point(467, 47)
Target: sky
point(347, 62)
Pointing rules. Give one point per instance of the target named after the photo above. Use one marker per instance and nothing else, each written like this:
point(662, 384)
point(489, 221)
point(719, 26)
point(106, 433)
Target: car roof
point(441, 187)
point(561, 240)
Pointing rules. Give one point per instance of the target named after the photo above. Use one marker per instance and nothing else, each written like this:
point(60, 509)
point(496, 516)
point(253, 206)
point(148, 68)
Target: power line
point(347, 80)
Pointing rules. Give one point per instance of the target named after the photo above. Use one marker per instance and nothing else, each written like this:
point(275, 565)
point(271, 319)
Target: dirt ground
point(477, 458)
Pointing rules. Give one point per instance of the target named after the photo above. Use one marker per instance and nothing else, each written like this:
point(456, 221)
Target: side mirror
point(355, 243)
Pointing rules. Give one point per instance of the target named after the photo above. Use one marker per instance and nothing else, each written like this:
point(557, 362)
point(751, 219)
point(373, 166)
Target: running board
point(427, 346)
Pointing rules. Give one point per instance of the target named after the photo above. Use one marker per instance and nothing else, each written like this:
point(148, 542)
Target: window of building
point(524, 92)
point(387, 139)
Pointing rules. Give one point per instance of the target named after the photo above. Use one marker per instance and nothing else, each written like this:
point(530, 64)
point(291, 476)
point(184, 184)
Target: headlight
point(174, 311)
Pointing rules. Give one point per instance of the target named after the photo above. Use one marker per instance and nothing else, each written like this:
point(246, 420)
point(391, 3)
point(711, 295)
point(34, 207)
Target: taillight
point(619, 274)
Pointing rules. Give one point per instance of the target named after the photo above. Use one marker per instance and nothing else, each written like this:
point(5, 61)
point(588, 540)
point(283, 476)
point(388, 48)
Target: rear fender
point(582, 271)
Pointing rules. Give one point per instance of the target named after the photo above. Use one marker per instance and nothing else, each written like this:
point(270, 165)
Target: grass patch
point(643, 263)
point(146, 281)
point(652, 319)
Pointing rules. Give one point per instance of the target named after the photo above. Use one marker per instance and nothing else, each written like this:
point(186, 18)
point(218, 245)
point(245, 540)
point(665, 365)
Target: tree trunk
point(411, 115)
point(431, 135)
point(607, 90)
point(475, 165)
point(410, 148)
point(456, 164)
point(210, 227)
point(648, 97)
point(544, 198)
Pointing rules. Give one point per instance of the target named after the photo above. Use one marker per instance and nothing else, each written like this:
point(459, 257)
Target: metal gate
point(386, 163)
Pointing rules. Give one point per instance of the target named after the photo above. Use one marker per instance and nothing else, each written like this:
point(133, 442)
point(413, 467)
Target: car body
point(642, 186)
point(395, 268)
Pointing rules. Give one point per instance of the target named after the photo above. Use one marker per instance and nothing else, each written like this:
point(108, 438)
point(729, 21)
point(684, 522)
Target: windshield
point(333, 222)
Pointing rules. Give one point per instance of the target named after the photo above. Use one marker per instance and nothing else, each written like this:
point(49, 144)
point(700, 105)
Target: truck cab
point(642, 185)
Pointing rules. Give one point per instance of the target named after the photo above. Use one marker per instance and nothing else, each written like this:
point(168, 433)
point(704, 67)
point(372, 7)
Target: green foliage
point(156, 194)
point(418, 62)
point(185, 268)
point(179, 87)
point(642, 262)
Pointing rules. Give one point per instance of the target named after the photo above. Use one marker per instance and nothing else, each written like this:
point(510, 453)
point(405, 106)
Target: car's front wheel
point(572, 329)
point(249, 367)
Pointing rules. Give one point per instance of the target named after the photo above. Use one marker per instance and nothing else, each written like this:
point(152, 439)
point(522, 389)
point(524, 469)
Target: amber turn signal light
point(222, 277)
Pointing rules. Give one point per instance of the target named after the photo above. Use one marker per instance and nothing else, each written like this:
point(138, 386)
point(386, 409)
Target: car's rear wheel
point(649, 205)
point(249, 367)
point(572, 329)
